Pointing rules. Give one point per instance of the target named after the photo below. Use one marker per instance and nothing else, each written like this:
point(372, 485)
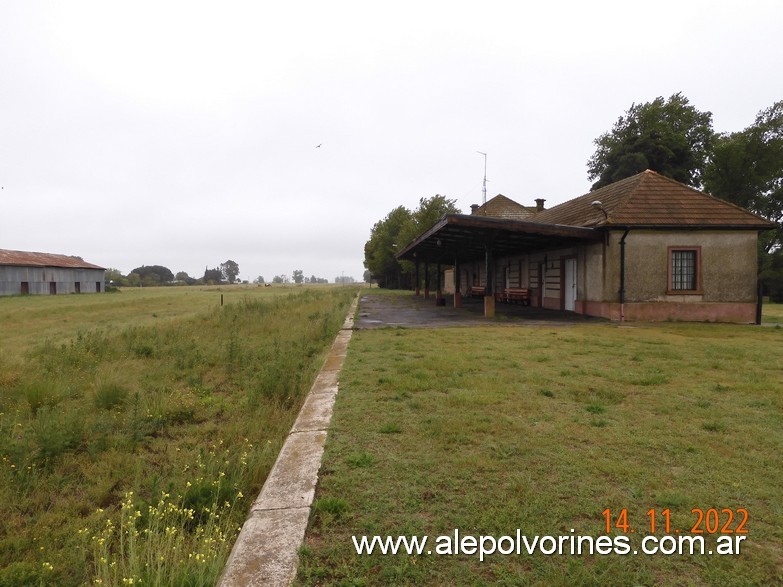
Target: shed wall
point(39, 280)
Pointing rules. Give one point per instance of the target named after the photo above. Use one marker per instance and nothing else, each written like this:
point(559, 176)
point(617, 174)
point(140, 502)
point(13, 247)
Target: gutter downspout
point(622, 274)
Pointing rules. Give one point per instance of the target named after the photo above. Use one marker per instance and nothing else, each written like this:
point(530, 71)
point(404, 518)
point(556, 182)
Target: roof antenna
point(484, 190)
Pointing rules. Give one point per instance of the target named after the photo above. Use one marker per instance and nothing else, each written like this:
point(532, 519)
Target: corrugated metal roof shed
point(32, 259)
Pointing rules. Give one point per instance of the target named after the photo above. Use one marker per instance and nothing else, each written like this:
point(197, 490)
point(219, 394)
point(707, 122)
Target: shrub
point(56, 433)
point(109, 395)
point(327, 509)
point(360, 460)
point(20, 573)
point(595, 408)
point(40, 393)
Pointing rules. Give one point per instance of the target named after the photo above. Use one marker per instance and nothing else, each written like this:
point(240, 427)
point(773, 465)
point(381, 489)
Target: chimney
point(474, 208)
point(540, 204)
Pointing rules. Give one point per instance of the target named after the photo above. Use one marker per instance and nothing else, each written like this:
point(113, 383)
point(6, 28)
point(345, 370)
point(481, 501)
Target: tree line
point(154, 275)
point(667, 135)
point(225, 273)
point(298, 277)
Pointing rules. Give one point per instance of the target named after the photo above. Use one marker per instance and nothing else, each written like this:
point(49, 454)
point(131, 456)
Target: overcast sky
point(184, 133)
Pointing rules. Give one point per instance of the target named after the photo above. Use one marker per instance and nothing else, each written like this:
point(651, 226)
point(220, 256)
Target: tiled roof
point(27, 259)
point(650, 199)
point(502, 207)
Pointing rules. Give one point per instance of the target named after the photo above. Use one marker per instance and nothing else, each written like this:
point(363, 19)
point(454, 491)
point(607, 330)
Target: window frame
point(697, 271)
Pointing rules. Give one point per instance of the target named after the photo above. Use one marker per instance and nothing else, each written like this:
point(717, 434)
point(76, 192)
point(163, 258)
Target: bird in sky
point(318, 146)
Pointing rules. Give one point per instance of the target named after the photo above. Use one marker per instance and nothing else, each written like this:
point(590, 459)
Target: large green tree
point(114, 276)
point(430, 210)
point(230, 270)
point(669, 136)
point(746, 168)
point(380, 249)
point(400, 227)
point(154, 274)
point(213, 276)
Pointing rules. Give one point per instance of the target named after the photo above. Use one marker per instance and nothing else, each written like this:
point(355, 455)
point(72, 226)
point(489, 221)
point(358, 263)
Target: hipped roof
point(649, 199)
point(502, 207)
point(32, 259)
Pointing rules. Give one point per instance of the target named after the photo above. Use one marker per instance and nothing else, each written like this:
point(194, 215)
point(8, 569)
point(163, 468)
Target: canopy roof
point(466, 237)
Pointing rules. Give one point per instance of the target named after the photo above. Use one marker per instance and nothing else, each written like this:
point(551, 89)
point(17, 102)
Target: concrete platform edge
point(266, 551)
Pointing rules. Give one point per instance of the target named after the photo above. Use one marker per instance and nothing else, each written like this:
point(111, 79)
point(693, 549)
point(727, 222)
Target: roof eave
point(52, 265)
point(630, 226)
point(484, 225)
point(424, 236)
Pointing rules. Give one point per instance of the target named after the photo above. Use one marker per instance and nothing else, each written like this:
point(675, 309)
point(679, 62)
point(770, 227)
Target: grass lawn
point(136, 428)
point(493, 429)
point(772, 312)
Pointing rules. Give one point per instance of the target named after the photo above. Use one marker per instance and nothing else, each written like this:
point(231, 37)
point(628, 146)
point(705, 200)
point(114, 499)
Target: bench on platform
point(516, 294)
point(477, 292)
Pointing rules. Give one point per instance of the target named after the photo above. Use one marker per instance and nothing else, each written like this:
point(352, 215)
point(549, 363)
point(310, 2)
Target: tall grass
point(131, 454)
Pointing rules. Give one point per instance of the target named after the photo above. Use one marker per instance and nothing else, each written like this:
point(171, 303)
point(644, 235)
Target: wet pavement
point(390, 310)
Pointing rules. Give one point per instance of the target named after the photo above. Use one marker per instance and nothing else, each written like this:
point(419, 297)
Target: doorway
point(569, 285)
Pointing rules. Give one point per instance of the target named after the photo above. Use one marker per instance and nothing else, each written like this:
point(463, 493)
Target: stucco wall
point(728, 266)
point(728, 269)
point(591, 279)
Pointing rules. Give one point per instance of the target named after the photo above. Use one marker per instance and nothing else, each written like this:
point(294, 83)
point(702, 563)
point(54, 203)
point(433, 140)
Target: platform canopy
point(468, 237)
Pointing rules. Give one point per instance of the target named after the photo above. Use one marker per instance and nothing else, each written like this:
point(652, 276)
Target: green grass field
point(137, 427)
point(493, 429)
point(28, 320)
point(772, 313)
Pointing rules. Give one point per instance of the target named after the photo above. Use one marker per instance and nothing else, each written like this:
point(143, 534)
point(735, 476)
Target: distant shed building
point(23, 272)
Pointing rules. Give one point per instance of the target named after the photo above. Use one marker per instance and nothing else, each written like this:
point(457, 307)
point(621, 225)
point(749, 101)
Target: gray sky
point(183, 133)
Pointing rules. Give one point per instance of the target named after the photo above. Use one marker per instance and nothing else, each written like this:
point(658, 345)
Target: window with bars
point(684, 270)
